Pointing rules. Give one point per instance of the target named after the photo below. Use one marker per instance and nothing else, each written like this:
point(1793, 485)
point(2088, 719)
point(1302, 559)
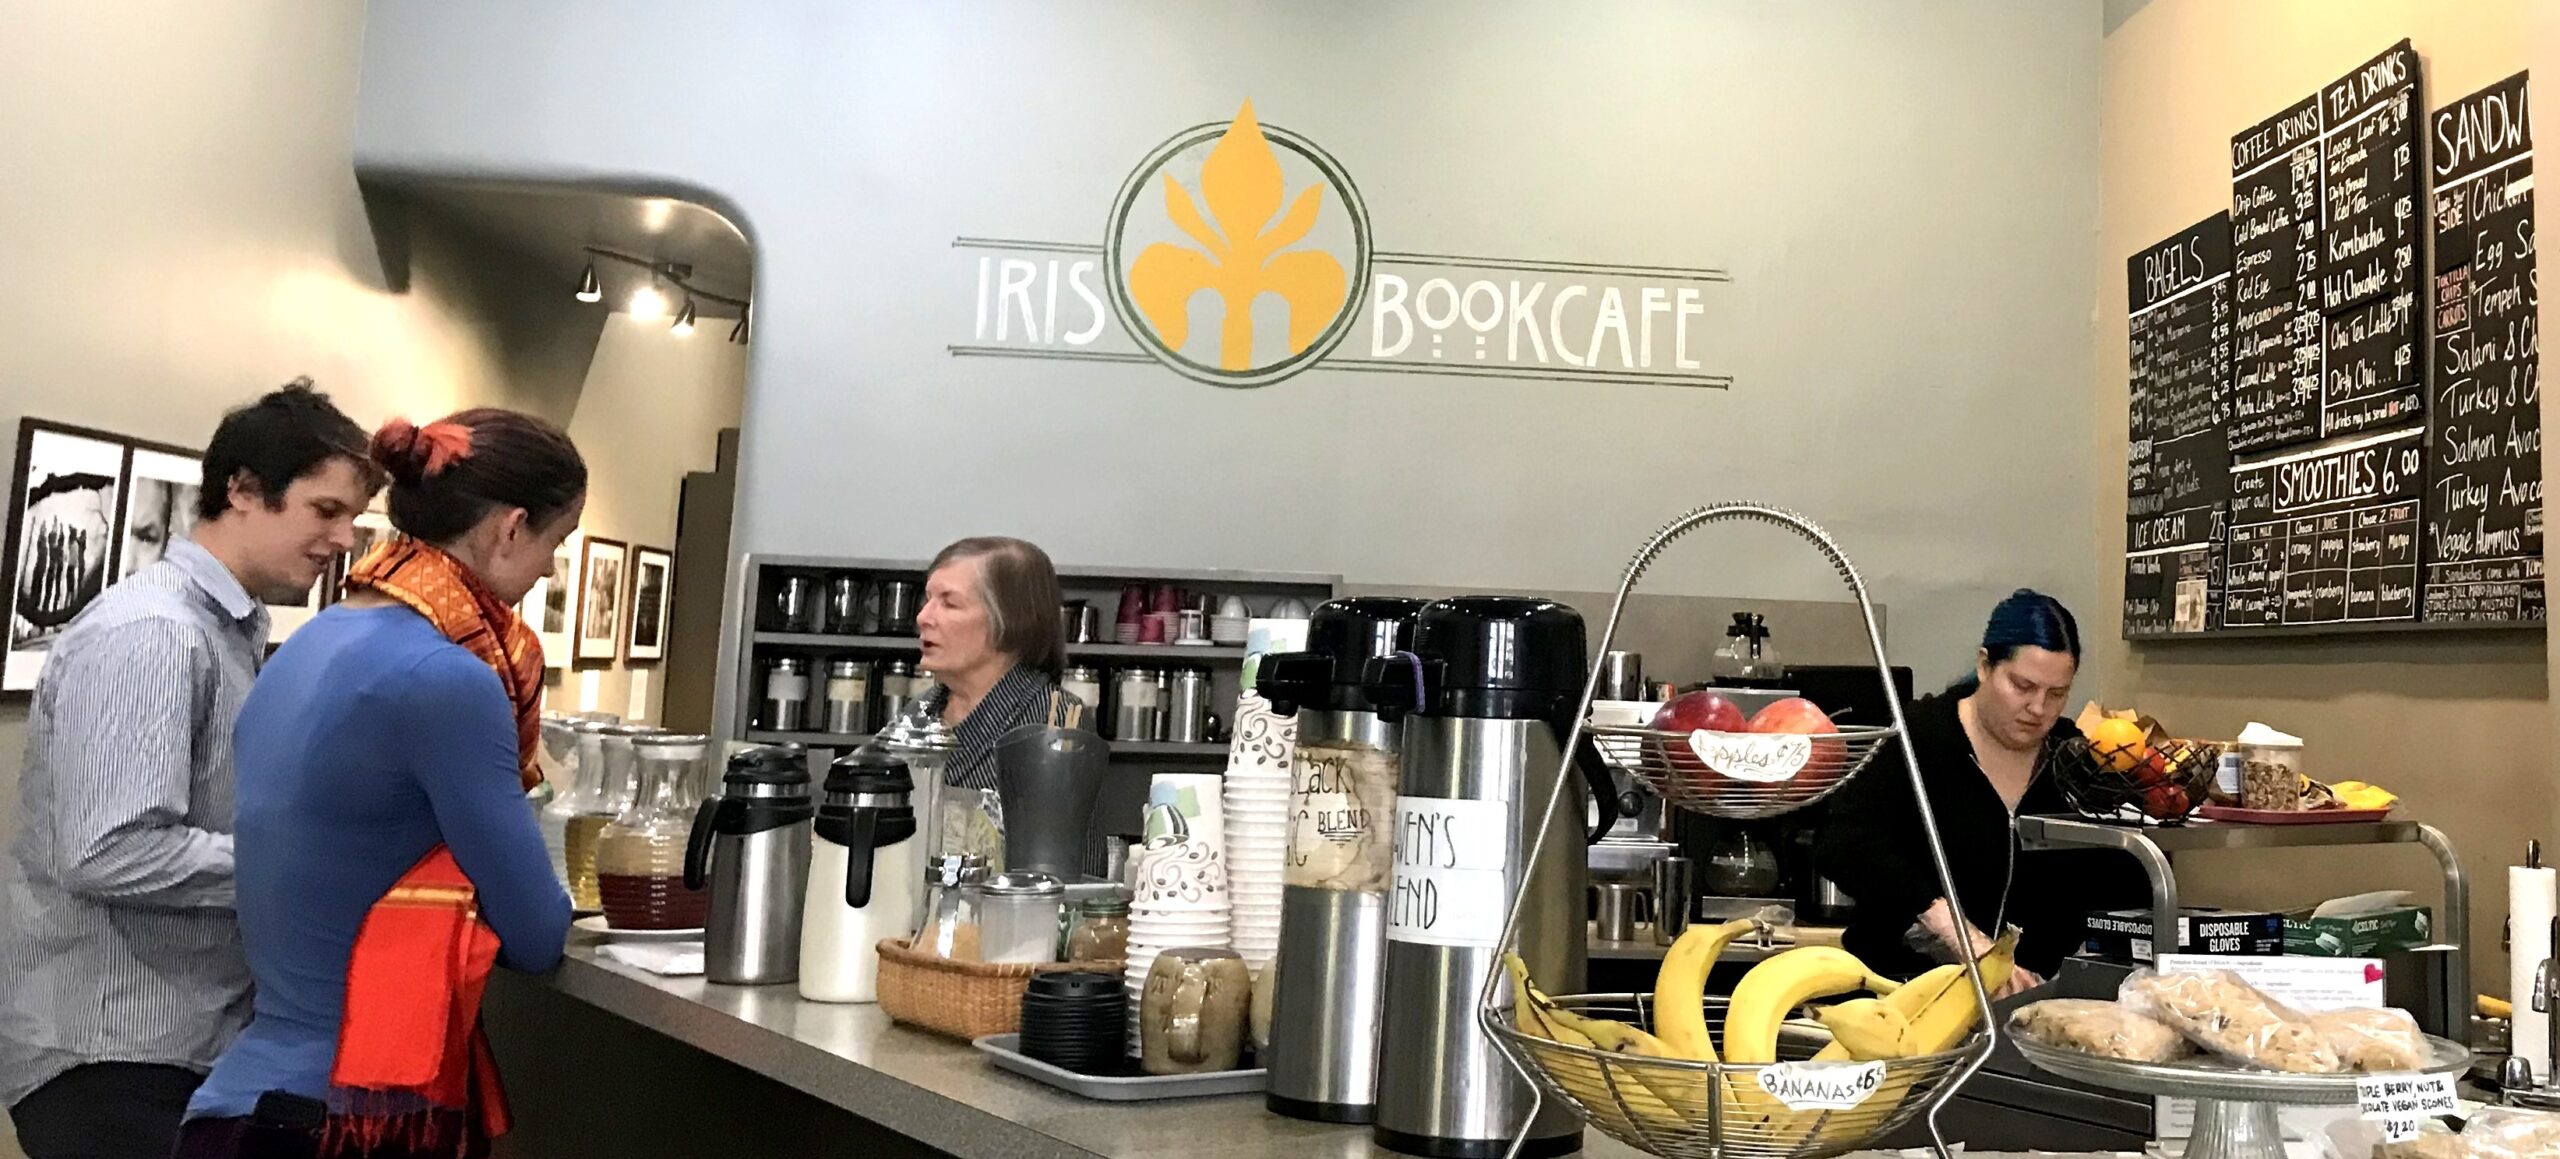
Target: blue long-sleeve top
point(368, 740)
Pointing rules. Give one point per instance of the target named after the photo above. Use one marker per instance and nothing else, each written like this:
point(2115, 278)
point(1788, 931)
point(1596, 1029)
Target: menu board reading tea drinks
point(2328, 428)
point(2484, 501)
point(2177, 469)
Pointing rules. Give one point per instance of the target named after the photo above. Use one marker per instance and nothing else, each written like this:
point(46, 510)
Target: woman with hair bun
point(386, 856)
point(1983, 747)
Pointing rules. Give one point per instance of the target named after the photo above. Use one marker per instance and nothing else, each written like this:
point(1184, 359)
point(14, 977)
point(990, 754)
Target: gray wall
point(1905, 193)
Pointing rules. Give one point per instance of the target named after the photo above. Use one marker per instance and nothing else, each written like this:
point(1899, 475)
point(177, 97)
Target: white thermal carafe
point(863, 877)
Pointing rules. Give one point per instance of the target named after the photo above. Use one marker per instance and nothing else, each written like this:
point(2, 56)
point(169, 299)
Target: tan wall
point(2458, 725)
point(182, 229)
point(651, 410)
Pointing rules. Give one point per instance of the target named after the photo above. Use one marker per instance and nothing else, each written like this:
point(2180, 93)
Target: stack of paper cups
point(1256, 803)
point(2533, 897)
point(1179, 899)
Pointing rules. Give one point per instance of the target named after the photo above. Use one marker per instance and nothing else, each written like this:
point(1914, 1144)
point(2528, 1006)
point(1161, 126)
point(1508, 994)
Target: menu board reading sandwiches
point(2484, 502)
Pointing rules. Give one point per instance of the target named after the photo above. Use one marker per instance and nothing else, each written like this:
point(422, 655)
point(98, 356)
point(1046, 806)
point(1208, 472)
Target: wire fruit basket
point(2165, 782)
point(1745, 776)
point(1720, 1110)
point(1705, 1110)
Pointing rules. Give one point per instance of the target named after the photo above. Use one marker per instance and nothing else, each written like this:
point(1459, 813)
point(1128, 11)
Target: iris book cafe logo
point(1240, 253)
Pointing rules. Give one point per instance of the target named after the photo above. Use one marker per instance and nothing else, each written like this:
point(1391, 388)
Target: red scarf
point(413, 1066)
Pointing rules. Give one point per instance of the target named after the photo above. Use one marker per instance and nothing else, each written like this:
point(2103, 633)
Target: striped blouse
point(1016, 700)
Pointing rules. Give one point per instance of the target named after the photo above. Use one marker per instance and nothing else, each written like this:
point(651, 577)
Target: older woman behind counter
point(989, 635)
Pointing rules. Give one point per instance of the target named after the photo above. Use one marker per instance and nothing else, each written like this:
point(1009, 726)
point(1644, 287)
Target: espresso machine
point(1323, 1056)
point(1487, 700)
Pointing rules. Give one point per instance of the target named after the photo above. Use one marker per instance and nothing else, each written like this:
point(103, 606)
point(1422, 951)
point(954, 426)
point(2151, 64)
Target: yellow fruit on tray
point(2119, 744)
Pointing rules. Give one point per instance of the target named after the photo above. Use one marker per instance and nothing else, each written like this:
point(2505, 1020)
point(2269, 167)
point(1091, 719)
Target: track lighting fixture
point(651, 300)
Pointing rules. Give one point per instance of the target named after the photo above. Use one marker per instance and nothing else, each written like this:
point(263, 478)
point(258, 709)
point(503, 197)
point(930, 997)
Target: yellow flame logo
point(1243, 251)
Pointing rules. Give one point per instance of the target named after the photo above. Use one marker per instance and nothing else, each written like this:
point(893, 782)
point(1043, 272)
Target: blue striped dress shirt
point(117, 938)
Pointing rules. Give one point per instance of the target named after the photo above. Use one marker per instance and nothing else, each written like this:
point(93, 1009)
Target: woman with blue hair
point(1983, 747)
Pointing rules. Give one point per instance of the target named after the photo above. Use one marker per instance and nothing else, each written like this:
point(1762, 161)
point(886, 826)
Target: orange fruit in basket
point(2118, 744)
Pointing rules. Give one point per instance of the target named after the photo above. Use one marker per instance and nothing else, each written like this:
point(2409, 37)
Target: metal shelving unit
point(1098, 586)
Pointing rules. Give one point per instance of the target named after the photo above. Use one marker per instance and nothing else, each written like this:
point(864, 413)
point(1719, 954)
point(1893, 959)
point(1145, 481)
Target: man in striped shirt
point(121, 975)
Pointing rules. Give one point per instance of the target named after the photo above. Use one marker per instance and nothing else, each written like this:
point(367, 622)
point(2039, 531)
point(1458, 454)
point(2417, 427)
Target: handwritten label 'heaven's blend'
point(1449, 881)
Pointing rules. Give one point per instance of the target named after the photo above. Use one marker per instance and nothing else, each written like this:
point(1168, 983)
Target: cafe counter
point(604, 1059)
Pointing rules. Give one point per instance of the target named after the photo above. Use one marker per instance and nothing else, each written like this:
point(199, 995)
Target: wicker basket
point(966, 1000)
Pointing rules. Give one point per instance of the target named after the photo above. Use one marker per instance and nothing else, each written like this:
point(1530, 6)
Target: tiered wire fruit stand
point(1712, 1110)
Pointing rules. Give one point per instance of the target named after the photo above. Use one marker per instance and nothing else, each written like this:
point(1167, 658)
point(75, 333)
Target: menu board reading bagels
point(2484, 500)
point(2177, 469)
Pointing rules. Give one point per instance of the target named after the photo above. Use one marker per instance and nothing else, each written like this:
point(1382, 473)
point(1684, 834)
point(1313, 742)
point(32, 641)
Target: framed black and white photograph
point(160, 493)
point(60, 539)
point(372, 528)
point(283, 620)
point(551, 607)
point(653, 574)
point(600, 600)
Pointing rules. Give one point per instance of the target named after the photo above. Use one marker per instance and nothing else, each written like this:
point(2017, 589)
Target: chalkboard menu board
point(2177, 469)
point(2327, 535)
point(2325, 245)
point(2330, 428)
point(2484, 501)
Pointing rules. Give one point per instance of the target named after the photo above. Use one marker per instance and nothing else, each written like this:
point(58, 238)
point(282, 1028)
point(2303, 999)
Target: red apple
point(1798, 715)
point(1693, 712)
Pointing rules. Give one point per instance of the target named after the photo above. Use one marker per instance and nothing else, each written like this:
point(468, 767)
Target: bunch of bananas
point(1932, 1013)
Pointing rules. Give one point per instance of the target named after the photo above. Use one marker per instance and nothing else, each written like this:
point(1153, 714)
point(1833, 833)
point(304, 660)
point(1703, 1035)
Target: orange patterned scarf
point(413, 1067)
point(451, 597)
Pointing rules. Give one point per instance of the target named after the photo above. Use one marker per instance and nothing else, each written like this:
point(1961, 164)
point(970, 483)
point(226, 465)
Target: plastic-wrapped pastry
point(2374, 1040)
point(2219, 1012)
point(2508, 1133)
point(2105, 1029)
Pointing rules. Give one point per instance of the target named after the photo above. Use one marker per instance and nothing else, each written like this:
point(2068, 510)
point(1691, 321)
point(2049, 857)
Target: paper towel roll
point(2533, 896)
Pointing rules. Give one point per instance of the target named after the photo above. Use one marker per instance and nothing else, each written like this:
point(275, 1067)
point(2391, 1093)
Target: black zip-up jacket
point(1873, 848)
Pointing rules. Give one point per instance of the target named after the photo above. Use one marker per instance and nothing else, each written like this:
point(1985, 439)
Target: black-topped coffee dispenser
point(1488, 697)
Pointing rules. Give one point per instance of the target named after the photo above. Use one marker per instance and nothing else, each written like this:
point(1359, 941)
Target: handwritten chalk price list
point(2401, 1102)
point(1450, 885)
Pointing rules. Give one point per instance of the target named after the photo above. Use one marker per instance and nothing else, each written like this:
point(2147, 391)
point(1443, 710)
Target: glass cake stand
point(2235, 1108)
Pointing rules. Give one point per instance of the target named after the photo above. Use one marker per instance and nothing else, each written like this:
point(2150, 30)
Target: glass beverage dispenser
point(640, 856)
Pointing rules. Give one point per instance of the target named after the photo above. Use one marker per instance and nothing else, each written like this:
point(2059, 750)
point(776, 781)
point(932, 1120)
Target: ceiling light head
point(684, 321)
point(648, 302)
point(589, 289)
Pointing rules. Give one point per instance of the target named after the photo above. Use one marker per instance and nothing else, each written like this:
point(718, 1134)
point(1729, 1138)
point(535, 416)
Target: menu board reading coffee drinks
point(2327, 428)
point(2177, 469)
point(2484, 501)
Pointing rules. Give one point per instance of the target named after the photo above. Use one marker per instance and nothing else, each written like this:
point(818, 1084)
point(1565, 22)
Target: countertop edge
point(918, 1113)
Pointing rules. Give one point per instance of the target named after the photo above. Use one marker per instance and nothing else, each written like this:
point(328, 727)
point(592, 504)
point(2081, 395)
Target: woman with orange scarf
point(386, 856)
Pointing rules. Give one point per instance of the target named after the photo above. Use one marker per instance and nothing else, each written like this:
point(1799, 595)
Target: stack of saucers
point(1257, 824)
point(1180, 900)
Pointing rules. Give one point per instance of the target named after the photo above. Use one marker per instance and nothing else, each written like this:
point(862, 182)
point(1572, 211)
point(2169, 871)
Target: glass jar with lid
point(950, 926)
point(1101, 932)
point(640, 856)
point(558, 759)
point(1018, 916)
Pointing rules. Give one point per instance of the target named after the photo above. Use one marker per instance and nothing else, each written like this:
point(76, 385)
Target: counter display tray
point(2228, 814)
point(1004, 1050)
point(2235, 1106)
